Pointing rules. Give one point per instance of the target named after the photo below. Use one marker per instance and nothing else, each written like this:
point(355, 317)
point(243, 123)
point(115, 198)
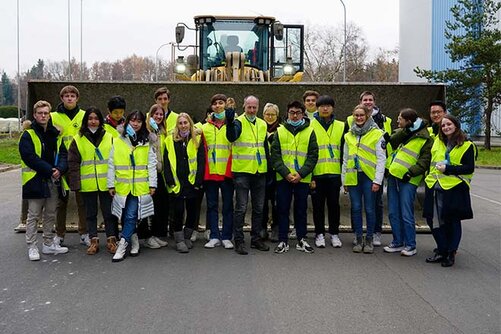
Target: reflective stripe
point(137, 179)
point(403, 163)
point(326, 147)
point(251, 145)
point(131, 168)
point(94, 162)
point(123, 167)
point(247, 157)
point(91, 176)
point(368, 162)
point(193, 160)
point(415, 155)
point(27, 170)
point(328, 160)
point(366, 148)
point(220, 146)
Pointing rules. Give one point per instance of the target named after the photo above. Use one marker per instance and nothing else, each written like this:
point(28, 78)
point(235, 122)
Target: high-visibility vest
point(294, 150)
point(438, 153)
point(111, 130)
point(218, 148)
point(26, 172)
point(170, 122)
point(94, 162)
point(248, 154)
point(329, 147)
point(365, 152)
point(69, 127)
point(191, 150)
point(406, 156)
point(131, 168)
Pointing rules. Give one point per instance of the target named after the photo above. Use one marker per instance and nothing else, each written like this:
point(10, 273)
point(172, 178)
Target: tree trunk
point(488, 113)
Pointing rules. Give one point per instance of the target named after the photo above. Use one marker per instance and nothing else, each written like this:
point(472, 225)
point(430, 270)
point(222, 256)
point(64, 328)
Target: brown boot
point(94, 246)
point(111, 245)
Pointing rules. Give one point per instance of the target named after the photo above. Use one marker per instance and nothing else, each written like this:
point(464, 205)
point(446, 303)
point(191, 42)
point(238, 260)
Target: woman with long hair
point(184, 163)
point(88, 167)
point(132, 180)
point(447, 196)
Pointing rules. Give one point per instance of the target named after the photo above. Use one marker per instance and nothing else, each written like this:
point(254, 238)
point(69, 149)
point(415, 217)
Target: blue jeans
point(285, 190)
point(378, 227)
point(212, 195)
point(256, 184)
point(362, 192)
point(129, 217)
point(401, 196)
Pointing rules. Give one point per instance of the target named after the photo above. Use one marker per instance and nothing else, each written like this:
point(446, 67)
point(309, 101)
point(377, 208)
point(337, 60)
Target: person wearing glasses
point(438, 110)
point(294, 154)
point(364, 158)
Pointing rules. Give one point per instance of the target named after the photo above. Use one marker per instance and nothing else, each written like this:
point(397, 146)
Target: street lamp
point(344, 45)
point(156, 59)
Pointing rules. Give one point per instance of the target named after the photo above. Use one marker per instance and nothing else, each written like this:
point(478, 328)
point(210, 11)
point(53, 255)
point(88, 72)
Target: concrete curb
point(7, 167)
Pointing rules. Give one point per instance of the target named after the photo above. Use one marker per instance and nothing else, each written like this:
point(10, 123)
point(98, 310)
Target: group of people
point(150, 172)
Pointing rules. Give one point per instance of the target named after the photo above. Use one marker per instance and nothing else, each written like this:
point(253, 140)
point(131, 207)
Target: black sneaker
point(282, 247)
point(303, 246)
point(260, 245)
point(240, 248)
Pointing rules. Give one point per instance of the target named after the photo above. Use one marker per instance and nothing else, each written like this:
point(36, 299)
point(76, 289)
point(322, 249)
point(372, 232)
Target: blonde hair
point(364, 108)
point(161, 126)
point(271, 106)
point(177, 137)
point(41, 104)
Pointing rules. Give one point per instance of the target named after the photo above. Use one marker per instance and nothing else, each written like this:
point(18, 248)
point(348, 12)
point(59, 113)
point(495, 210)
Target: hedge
point(8, 111)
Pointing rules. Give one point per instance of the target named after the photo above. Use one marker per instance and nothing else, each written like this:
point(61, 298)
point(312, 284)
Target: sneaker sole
point(281, 251)
point(152, 246)
point(305, 250)
point(117, 260)
point(408, 254)
point(394, 250)
point(321, 246)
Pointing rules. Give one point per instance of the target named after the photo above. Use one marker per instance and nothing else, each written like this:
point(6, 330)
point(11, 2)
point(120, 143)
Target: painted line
point(486, 199)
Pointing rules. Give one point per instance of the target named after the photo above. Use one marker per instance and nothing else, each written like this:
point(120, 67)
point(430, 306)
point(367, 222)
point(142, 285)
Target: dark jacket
point(182, 169)
point(311, 156)
point(38, 187)
point(456, 201)
point(403, 136)
point(74, 157)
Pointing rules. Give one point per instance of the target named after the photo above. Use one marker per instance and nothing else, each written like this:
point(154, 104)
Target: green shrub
point(8, 111)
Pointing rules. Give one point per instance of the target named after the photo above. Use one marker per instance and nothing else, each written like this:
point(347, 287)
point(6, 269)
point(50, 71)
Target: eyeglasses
point(310, 100)
point(296, 113)
point(43, 113)
point(270, 115)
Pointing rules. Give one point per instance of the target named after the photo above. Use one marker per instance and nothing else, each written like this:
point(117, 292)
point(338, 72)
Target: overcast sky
point(114, 29)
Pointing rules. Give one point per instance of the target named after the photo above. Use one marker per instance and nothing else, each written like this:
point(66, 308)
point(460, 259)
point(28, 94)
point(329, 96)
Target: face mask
point(184, 134)
point(219, 115)
point(153, 124)
point(295, 123)
point(93, 129)
point(250, 118)
point(130, 131)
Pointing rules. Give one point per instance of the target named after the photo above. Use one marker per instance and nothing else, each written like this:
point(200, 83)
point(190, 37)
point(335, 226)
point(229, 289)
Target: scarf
point(360, 131)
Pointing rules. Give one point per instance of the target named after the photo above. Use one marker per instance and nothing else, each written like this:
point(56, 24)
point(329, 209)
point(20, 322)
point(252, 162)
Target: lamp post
point(18, 76)
point(156, 59)
point(344, 45)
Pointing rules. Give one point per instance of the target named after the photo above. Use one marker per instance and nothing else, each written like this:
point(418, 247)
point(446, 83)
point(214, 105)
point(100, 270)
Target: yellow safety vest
point(26, 172)
point(131, 168)
point(438, 152)
point(365, 151)
point(248, 154)
point(329, 150)
point(294, 150)
point(69, 128)
point(171, 122)
point(218, 148)
point(406, 156)
point(94, 162)
point(111, 130)
point(191, 150)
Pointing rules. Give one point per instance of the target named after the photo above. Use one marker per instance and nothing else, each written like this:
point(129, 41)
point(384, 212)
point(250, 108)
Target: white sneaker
point(194, 236)
point(336, 242)
point(33, 253)
point(303, 246)
point(84, 239)
point(120, 253)
point(376, 239)
point(54, 249)
point(320, 241)
point(58, 240)
point(161, 242)
point(134, 245)
point(213, 243)
point(227, 244)
point(151, 243)
point(408, 251)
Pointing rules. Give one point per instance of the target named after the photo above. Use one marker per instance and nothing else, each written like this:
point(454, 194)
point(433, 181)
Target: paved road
point(218, 291)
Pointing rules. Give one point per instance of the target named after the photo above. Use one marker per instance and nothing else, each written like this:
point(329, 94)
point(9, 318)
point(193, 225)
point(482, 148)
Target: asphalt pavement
point(218, 291)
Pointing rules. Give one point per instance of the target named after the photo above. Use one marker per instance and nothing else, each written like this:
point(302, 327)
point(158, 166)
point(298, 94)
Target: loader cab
point(265, 45)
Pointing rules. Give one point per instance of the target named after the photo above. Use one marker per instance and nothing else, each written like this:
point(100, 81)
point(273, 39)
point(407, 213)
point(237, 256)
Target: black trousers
point(326, 191)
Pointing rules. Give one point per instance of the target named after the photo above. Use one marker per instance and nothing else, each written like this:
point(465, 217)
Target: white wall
point(415, 38)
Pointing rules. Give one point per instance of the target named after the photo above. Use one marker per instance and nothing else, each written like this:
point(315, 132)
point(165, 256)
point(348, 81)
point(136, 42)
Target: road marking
point(486, 199)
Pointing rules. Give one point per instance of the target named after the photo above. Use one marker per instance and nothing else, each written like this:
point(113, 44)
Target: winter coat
point(37, 187)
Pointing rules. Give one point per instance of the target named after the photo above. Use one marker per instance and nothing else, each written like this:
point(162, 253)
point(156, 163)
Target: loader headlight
point(180, 66)
point(289, 67)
